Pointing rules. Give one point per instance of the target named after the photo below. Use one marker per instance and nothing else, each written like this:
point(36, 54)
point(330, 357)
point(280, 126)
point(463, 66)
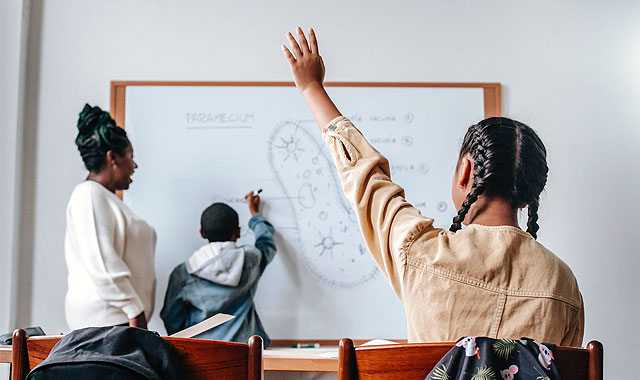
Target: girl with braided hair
point(488, 279)
point(109, 250)
point(509, 165)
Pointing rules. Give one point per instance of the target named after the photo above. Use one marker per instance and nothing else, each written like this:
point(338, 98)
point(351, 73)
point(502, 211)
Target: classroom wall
point(569, 69)
point(10, 13)
point(13, 28)
point(8, 90)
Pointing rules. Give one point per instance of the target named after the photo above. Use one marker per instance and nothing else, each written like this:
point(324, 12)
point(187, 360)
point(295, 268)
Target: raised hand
point(308, 73)
point(305, 62)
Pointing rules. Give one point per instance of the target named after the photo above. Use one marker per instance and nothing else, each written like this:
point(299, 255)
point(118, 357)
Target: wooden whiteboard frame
point(492, 91)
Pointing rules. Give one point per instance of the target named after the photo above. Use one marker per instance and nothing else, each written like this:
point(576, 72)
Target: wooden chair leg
point(596, 358)
point(347, 360)
point(19, 355)
point(255, 358)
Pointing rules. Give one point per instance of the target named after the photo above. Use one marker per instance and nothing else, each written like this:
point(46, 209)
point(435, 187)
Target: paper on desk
point(329, 354)
point(203, 326)
point(377, 342)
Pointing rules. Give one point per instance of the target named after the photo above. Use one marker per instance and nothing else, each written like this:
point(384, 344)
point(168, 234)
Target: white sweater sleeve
point(100, 234)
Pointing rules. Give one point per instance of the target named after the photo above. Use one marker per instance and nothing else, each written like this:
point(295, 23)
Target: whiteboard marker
point(254, 194)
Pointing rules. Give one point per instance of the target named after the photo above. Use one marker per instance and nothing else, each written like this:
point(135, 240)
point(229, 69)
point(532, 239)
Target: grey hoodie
point(219, 262)
point(221, 277)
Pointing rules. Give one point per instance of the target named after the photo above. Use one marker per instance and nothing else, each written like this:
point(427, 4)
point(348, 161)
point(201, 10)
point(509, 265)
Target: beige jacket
point(497, 282)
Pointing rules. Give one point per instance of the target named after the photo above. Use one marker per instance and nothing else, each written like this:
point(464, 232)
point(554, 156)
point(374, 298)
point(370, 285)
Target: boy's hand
point(305, 62)
point(254, 203)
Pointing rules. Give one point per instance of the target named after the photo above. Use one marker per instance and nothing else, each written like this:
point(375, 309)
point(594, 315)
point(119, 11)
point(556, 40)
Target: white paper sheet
point(203, 326)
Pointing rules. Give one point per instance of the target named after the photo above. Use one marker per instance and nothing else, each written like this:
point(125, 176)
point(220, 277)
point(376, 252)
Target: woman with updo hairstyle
point(109, 250)
point(489, 278)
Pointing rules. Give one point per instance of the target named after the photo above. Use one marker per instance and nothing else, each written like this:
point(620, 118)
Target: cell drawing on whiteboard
point(328, 237)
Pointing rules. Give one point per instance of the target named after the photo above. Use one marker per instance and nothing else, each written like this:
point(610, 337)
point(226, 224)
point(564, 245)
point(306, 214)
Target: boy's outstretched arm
point(262, 229)
point(308, 72)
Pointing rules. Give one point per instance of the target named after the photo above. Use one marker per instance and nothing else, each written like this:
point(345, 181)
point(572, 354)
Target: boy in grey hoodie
point(221, 277)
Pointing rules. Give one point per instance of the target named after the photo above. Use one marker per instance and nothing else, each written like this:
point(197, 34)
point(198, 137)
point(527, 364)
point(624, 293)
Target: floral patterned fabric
point(476, 358)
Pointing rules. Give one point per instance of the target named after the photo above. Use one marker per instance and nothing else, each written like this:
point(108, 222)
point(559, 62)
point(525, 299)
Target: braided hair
point(97, 134)
point(510, 162)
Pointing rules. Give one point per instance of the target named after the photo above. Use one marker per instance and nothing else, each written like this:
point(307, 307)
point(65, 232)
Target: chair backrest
point(200, 359)
point(416, 360)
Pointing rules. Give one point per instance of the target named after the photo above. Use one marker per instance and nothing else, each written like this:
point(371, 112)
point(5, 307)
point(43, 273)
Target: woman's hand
point(305, 62)
point(308, 73)
point(139, 321)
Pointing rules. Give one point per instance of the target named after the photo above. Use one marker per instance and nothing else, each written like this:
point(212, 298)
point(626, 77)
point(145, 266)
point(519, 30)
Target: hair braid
point(532, 223)
point(97, 134)
point(480, 177)
point(466, 205)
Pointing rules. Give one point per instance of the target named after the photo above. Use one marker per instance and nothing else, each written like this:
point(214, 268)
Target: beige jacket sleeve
point(389, 223)
point(575, 332)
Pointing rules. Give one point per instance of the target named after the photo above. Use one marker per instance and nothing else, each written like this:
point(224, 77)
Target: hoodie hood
point(218, 262)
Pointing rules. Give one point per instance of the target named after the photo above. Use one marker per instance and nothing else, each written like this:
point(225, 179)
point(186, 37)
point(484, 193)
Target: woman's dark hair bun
point(97, 134)
point(91, 118)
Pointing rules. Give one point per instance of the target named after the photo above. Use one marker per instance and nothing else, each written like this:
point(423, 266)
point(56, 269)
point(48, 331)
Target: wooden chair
point(201, 359)
point(415, 361)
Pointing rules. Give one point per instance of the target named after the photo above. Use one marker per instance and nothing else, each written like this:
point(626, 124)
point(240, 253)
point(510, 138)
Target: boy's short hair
point(219, 222)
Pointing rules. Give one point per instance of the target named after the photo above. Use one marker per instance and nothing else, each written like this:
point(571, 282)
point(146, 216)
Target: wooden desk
point(323, 359)
point(281, 357)
point(5, 354)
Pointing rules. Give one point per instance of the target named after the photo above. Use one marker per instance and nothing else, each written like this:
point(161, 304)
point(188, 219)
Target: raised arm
point(262, 230)
point(389, 224)
point(307, 68)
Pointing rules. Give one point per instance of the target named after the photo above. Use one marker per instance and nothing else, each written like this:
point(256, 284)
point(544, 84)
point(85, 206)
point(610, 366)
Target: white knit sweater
point(109, 252)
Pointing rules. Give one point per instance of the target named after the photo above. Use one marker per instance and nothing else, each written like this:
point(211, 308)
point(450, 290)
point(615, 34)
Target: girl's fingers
point(288, 55)
point(294, 45)
point(303, 40)
point(313, 42)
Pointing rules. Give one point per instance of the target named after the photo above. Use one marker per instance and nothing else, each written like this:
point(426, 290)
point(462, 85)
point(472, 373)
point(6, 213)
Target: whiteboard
point(196, 145)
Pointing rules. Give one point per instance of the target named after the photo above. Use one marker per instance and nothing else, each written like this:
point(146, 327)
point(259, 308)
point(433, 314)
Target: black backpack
point(116, 352)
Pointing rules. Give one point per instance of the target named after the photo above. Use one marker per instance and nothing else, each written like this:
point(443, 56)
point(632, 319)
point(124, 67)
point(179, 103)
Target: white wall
point(13, 36)
point(570, 69)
